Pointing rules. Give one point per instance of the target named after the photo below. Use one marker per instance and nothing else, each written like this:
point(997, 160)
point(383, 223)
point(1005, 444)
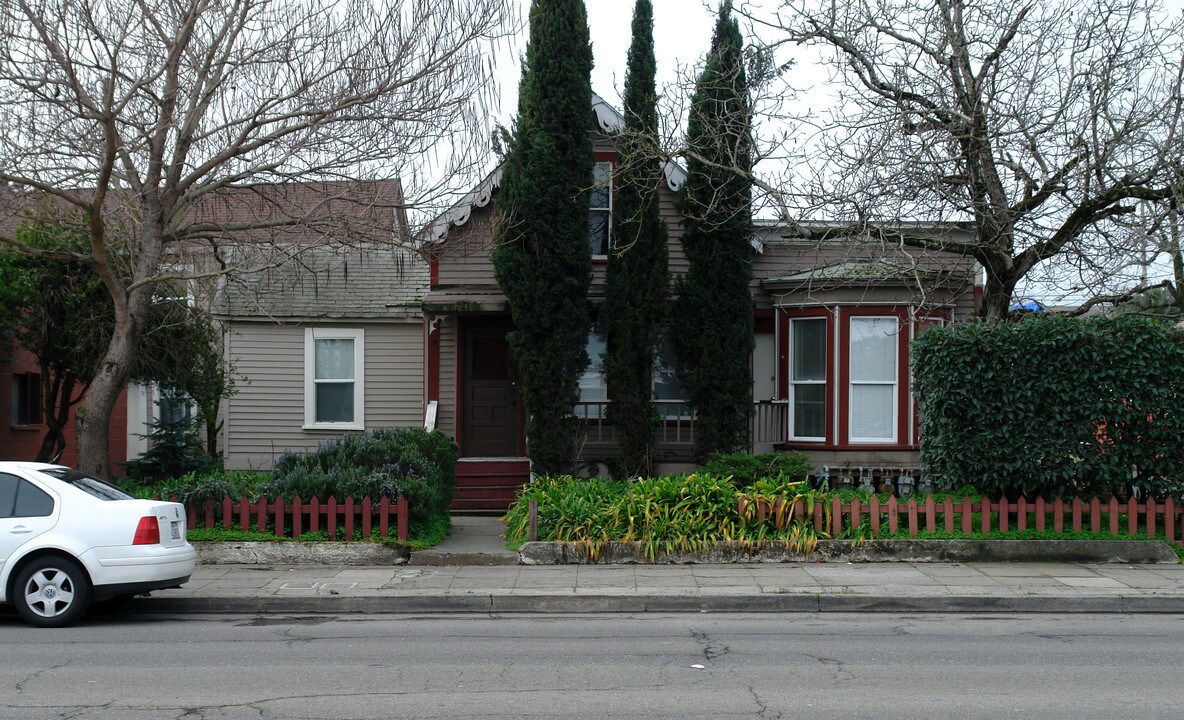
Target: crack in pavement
point(711, 650)
point(19, 686)
point(762, 708)
point(841, 673)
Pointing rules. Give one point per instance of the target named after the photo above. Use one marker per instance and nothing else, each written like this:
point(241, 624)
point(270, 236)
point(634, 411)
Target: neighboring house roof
point(609, 120)
point(330, 283)
point(314, 213)
point(863, 274)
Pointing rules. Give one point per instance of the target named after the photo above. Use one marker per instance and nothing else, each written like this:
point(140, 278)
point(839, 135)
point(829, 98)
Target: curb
point(565, 604)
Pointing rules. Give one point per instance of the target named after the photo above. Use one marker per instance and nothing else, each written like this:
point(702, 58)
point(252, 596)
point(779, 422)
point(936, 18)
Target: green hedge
point(743, 469)
point(1052, 406)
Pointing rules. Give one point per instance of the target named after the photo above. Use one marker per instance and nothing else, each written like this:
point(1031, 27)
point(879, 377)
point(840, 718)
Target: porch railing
point(677, 422)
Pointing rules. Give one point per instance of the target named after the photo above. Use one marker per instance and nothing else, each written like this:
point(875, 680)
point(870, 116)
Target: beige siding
point(266, 417)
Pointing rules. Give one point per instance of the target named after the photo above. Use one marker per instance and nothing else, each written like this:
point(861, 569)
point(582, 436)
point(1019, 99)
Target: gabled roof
point(330, 282)
point(609, 121)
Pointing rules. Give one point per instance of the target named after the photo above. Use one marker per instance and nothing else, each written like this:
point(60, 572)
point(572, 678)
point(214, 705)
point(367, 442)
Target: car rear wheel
point(51, 592)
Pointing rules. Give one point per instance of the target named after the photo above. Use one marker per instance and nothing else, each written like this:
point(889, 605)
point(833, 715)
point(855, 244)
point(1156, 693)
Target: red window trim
point(909, 318)
point(785, 316)
point(904, 330)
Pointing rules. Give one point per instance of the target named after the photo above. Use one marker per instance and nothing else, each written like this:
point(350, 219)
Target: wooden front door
point(491, 422)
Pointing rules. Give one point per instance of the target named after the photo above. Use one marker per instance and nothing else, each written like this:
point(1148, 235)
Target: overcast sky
point(682, 33)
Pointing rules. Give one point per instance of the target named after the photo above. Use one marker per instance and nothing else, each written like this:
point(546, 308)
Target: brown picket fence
point(295, 517)
point(1115, 517)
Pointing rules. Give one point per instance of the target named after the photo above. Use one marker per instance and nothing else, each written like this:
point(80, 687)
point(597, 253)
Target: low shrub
point(743, 469)
point(685, 513)
point(386, 462)
point(198, 488)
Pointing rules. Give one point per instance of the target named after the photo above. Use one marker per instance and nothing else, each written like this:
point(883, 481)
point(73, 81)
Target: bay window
point(845, 375)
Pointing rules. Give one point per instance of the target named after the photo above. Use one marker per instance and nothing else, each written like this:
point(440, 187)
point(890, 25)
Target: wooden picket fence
point(1097, 516)
point(292, 519)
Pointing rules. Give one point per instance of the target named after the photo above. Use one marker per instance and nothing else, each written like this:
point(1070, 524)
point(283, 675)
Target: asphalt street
point(698, 665)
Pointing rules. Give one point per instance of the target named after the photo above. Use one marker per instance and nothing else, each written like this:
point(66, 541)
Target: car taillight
point(147, 532)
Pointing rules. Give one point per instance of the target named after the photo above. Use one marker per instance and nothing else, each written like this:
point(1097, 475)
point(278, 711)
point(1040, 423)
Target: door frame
point(477, 326)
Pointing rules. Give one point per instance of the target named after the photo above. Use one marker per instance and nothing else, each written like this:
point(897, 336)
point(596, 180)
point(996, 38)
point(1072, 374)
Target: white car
point(67, 539)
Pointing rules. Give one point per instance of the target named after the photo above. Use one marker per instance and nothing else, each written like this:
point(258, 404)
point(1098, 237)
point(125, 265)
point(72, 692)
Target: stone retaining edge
point(1078, 551)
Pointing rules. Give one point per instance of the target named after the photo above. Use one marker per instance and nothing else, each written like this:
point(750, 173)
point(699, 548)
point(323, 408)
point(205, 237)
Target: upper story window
point(600, 210)
point(334, 378)
point(26, 399)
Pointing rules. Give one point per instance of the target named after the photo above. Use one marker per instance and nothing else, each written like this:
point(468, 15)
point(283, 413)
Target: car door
point(26, 511)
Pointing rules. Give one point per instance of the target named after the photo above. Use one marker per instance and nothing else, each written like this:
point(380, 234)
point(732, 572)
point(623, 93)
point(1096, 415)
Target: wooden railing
point(676, 425)
point(293, 518)
point(986, 515)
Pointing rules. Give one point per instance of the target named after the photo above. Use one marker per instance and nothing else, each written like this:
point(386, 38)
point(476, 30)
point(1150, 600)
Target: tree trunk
point(94, 453)
point(59, 398)
point(997, 294)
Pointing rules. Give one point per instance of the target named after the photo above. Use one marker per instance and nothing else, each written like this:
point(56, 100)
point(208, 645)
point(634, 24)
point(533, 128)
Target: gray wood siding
point(465, 258)
point(449, 364)
point(266, 417)
point(781, 257)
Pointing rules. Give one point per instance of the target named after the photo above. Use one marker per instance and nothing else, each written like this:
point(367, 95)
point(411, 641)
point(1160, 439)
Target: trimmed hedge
point(1052, 406)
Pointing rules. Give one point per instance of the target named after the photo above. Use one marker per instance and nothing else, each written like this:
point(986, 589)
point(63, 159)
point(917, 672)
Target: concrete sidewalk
point(788, 587)
point(472, 571)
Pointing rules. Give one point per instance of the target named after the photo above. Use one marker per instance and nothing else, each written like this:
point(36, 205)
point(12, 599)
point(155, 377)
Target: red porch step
point(488, 485)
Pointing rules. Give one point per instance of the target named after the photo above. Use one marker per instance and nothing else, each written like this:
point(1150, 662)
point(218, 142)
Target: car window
point(31, 501)
point(90, 485)
point(8, 485)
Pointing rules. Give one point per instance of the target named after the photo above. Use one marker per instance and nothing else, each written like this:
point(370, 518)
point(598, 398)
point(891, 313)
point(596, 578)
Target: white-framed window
point(807, 379)
point(873, 400)
point(600, 210)
point(334, 371)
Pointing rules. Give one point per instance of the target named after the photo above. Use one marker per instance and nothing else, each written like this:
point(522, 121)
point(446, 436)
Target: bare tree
point(147, 115)
point(1045, 124)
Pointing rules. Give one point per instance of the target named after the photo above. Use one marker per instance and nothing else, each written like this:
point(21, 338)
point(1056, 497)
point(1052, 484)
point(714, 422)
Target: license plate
point(176, 531)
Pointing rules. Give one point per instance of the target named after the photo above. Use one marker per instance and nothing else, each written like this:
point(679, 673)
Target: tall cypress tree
point(637, 279)
point(713, 325)
point(542, 260)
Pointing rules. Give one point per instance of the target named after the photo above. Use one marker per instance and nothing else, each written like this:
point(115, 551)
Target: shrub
point(198, 488)
point(745, 469)
point(678, 512)
point(386, 462)
point(173, 450)
point(1052, 406)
